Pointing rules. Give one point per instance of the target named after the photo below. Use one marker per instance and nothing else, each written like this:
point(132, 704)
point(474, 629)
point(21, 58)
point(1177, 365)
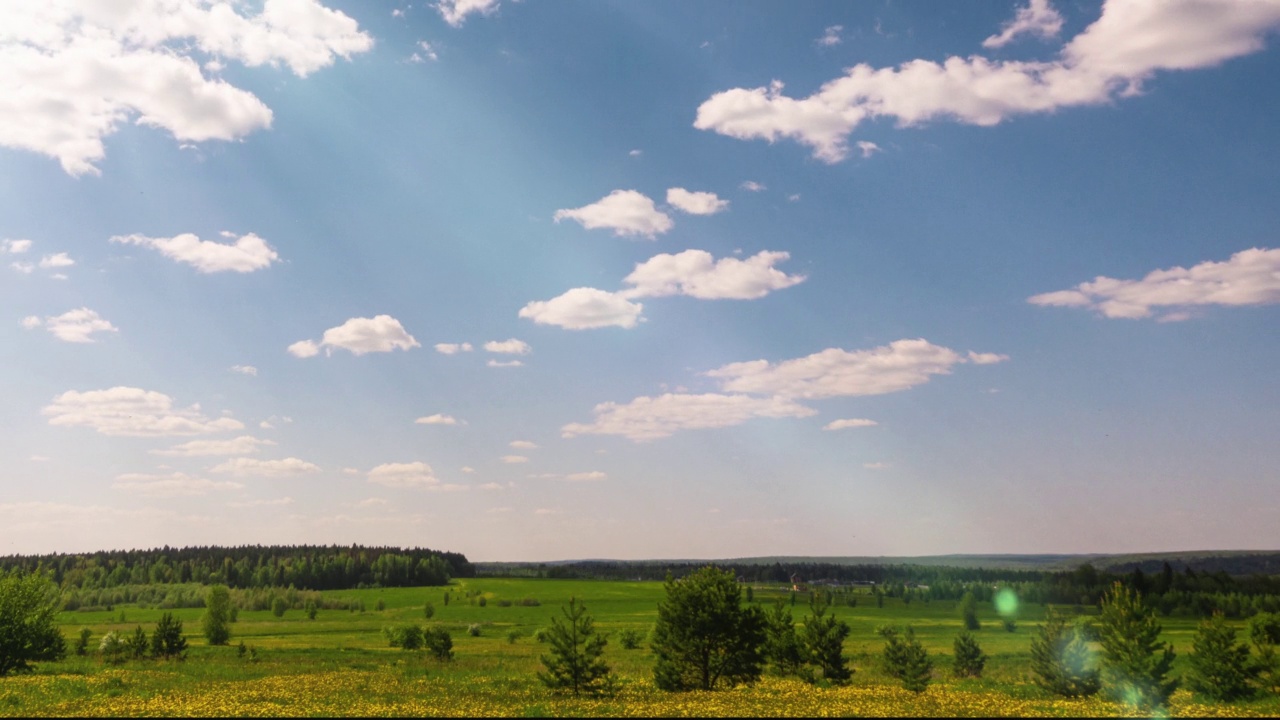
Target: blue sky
point(543, 280)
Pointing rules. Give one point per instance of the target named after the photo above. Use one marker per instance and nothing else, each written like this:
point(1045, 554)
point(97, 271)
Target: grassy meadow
point(339, 664)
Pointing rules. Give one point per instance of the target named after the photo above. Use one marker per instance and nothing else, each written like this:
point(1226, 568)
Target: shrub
point(29, 630)
point(504, 603)
point(405, 637)
point(112, 648)
point(969, 658)
point(428, 610)
point(82, 641)
point(1010, 624)
point(473, 629)
point(311, 609)
point(630, 639)
point(481, 601)
point(278, 606)
point(540, 635)
point(513, 636)
point(439, 643)
point(530, 602)
point(381, 605)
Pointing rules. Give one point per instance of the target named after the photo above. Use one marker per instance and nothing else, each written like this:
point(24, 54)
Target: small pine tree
point(906, 659)
point(576, 661)
point(1264, 633)
point(1220, 668)
point(782, 647)
point(1009, 623)
point(278, 606)
point(428, 610)
point(751, 594)
point(969, 612)
point(1060, 659)
point(311, 609)
point(136, 644)
point(630, 639)
point(439, 643)
point(1135, 663)
point(823, 642)
point(969, 658)
point(382, 605)
point(167, 640)
point(82, 641)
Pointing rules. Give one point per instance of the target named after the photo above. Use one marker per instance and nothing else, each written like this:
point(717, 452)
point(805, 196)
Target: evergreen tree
point(1220, 668)
point(823, 640)
point(1135, 663)
point(1060, 658)
point(782, 647)
point(136, 644)
point(905, 658)
point(82, 642)
point(1264, 633)
point(969, 612)
point(167, 640)
point(217, 609)
point(278, 606)
point(969, 658)
point(704, 638)
point(428, 610)
point(575, 662)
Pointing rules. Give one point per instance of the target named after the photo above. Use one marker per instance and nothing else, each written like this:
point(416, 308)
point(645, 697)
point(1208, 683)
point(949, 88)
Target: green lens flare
point(1007, 602)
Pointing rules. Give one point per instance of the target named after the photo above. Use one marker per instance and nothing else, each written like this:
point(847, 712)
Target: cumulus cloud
point(697, 274)
point(455, 12)
point(245, 370)
point(381, 333)
point(514, 459)
point(437, 419)
point(1113, 57)
point(75, 326)
point(1249, 277)
point(986, 358)
point(900, 365)
point(403, 475)
point(695, 203)
point(452, 348)
point(23, 267)
point(132, 412)
point(584, 308)
point(243, 445)
point(626, 212)
point(173, 485)
point(508, 347)
point(523, 445)
point(649, 418)
point(1037, 18)
point(868, 148)
point(849, 423)
point(56, 260)
point(72, 71)
point(246, 254)
point(15, 246)
point(830, 36)
point(245, 467)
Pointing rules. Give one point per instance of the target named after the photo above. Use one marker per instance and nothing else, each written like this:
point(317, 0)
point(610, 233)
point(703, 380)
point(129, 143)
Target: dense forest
point(312, 567)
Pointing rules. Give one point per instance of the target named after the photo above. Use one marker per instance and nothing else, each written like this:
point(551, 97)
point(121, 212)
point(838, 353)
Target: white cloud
point(132, 412)
point(247, 254)
point(23, 267)
point(242, 445)
point(245, 370)
point(514, 459)
point(830, 36)
point(695, 203)
point(1126, 46)
point(428, 51)
point(437, 419)
point(452, 348)
point(174, 485)
point(455, 12)
point(868, 148)
point(793, 198)
point(74, 326)
point(833, 372)
point(381, 333)
point(507, 364)
point(371, 502)
point(752, 186)
point(636, 153)
point(56, 260)
point(244, 467)
point(508, 347)
point(586, 476)
point(1037, 18)
point(15, 246)
point(39, 458)
point(275, 502)
point(697, 274)
point(875, 465)
point(1249, 277)
point(626, 212)
point(986, 358)
point(523, 445)
point(304, 349)
point(403, 475)
point(584, 308)
point(849, 423)
point(468, 470)
point(648, 418)
point(72, 71)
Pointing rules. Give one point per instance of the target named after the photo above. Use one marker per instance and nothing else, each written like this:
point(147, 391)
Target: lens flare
point(1006, 602)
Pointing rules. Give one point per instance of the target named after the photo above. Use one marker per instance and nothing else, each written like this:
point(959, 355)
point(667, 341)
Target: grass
point(340, 665)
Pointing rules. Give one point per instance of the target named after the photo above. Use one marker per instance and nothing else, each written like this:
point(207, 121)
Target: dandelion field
point(339, 664)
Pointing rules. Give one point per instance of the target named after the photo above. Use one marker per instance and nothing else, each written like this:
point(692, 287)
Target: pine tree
point(167, 640)
point(1135, 663)
point(704, 638)
point(905, 658)
point(823, 640)
point(969, 612)
point(1060, 659)
point(136, 644)
point(1221, 669)
point(781, 644)
point(575, 662)
point(1264, 633)
point(969, 658)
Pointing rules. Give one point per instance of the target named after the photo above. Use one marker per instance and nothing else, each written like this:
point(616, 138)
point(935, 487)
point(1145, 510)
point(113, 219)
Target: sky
point(554, 280)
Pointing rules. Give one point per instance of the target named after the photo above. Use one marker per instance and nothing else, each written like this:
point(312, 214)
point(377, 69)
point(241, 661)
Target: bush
point(82, 641)
point(630, 639)
point(1220, 669)
point(381, 605)
point(530, 602)
point(504, 603)
point(406, 637)
point(311, 609)
point(112, 648)
point(969, 658)
point(29, 630)
point(540, 635)
point(473, 629)
point(439, 643)
point(905, 659)
point(481, 601)
point(278, 606)
point(1010, 624)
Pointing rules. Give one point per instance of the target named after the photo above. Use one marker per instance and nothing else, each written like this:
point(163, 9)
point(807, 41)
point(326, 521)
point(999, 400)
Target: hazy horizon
point(719, 280)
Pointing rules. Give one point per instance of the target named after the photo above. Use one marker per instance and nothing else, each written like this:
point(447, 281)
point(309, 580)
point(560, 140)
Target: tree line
point(312, 567)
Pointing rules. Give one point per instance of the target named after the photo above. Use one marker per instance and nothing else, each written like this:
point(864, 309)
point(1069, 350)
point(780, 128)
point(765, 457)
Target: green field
point(340, 664)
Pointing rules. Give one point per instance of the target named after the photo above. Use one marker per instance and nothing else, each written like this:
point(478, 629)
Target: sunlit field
point(339, 664)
